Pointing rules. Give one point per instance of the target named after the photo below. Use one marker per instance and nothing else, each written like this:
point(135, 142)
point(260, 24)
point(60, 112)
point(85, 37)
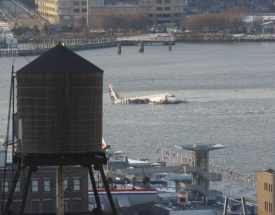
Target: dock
point(76, 44)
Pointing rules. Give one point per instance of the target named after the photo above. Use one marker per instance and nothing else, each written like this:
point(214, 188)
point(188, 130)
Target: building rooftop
point(200, 147)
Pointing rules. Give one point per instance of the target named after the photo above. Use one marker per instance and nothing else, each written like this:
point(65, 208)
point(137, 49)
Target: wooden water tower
point(59, 119)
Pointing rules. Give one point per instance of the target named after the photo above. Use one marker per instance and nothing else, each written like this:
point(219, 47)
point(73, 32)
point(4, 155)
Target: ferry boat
point(7, 40)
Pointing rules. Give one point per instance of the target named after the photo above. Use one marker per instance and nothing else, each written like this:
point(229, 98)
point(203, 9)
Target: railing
point(199, 188)
point(147, 38)
point(36, 48)
point(208, 175)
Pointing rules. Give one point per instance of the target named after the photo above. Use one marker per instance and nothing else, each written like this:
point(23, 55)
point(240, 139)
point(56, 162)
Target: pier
point(164, 39)
point(76, 44)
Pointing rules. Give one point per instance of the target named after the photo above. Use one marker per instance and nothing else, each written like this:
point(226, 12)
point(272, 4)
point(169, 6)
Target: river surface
point(230, 89)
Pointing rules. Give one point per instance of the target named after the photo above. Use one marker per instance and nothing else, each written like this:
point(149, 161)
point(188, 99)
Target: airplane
point(143, 178)
point(152, 99)
point(138, 163)
point(114, 178)
point(176, 177)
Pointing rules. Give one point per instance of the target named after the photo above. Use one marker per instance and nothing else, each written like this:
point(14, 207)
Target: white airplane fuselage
point(151, 99)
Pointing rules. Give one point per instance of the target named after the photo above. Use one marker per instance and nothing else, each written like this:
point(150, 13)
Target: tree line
point(118, 22)
point(231, 20)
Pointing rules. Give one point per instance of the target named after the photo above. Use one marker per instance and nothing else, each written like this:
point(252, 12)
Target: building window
point(34, 185)
point(47, 206)
point(66, 205)
point(76, 3)
point(76, 10)
point(159, 8)
point(265, 206)
point(167, 9)
point(47, 185)
point(18, 187)
point(5, 186)
point(66, 184)
point(16, 207)
point(35, 206)
point(159, 1)
point(163, 15)
point(76, 184)
point(77, 205)
point(84, 3)
point(167, 1)
point(84, 10)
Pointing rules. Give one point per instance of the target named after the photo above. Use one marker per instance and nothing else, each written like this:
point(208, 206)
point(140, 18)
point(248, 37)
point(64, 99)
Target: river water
point(230, 89)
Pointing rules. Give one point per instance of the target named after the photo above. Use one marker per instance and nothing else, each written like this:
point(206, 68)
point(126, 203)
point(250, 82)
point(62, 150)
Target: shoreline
point(224, 38)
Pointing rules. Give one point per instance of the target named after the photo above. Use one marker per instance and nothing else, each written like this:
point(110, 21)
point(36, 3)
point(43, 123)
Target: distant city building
point(70, 11)
point(266, 197)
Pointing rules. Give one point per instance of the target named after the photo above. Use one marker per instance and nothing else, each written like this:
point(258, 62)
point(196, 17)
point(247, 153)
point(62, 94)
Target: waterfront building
point(70, 11)
point(266, 194)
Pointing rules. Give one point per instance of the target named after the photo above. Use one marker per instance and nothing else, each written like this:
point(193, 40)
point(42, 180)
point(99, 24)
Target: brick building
point(42, 191)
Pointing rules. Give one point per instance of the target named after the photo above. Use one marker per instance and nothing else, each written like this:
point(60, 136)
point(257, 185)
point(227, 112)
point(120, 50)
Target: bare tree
point(230, 20)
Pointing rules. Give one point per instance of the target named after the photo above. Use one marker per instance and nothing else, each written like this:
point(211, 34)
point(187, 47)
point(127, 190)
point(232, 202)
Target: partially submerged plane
point(152, 99)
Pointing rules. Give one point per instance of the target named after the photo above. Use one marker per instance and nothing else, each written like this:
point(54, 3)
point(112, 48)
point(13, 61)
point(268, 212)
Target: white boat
point(7, 40)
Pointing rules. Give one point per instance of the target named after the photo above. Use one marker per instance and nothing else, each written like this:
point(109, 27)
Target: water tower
point(59, 118)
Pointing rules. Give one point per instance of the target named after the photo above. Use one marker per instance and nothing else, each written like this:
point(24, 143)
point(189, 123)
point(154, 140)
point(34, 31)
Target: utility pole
point(253, 11)
point(88, 13)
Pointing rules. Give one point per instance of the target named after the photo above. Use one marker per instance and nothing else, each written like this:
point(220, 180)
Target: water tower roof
point(59, 59)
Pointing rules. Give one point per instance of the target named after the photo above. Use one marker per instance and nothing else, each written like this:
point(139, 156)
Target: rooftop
point(59, 60)
point(200, 147)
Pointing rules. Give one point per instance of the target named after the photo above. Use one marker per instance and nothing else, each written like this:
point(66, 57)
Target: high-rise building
point(266, 194)
point(69, 11)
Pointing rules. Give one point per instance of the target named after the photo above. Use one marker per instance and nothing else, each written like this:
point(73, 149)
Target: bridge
point(15, 12)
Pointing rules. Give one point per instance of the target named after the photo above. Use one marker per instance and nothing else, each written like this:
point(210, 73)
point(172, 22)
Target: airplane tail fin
point(103, 143)
point(113, 94)
point(146, 179)
point(104, 147)
point(143, 172)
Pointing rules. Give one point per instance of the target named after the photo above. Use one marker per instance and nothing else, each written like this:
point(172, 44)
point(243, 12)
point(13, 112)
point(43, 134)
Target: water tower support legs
point(16, 176)
point(94, 188)
point(26, 188)
point(60, 190)
point(107, 189)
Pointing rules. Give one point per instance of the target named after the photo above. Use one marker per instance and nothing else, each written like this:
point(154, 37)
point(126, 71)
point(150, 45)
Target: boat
point(7, 40)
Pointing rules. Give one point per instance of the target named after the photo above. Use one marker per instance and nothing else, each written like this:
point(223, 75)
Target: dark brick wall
point(45, 201)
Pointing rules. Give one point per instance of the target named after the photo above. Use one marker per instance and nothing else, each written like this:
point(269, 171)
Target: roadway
point(21, 15)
